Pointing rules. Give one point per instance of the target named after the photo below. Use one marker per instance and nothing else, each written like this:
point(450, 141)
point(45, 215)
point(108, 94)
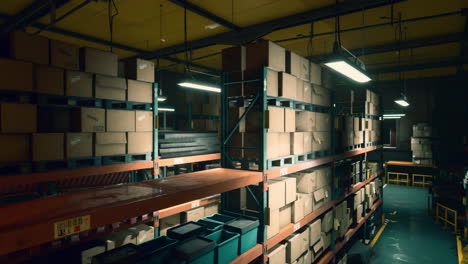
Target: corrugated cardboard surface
point(143, 233)
point(305, 233)
point(88, 119)
point(212, 209)
point(321, 141)
point(289, 120)
point(290, 185)
point(308, 145)
point(305, 121)
point(193, 215)
point(168, 222)
point(98, 61)
point(141, 70)
point(327, 221)
point(297, 143)
point(326, 238)
point(78, 84)
point(18, 146)
point(320, 95)
point(122, 238)
point(315, 74)
point(276, 194)
point(143, 121)
point(285, 215)
point(307, 92)
point(272, 83)
point(110, 144)
point(48, 146)
point(28, 47)
point(315, 232)
point(277, 255)
point(293, 63)
point(109, 87)
point(293, 247)
point(305, 69)
point(16, 75)
point(138, 91)
point(64, 55)
point(286, 85)
point(304, 181)
point(139, 142)
point(120, 121)
point(18, 118)
point(49, 80)
point(298, 209)
point(318, 199)
point(300, 90)
point(78, 145)
point(265, 53)
point(272, 222)
point(322, 122)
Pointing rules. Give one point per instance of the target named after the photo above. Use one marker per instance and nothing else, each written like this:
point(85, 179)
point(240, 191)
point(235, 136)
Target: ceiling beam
point(104, 42)
point(394, 46)
point(206, 14)
point(28, 15)
point(442, 63)
point(250, 33)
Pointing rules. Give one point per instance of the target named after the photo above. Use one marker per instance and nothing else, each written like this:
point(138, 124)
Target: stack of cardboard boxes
point(187, 216)
point(54, 68)
point(344, 218)
point(373, 192)
point(359, 204)
point(359, 130)
point(204, 107)
point(289, 131)
point(421, 144)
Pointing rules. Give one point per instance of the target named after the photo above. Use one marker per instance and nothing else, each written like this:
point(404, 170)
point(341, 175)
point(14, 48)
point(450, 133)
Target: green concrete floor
point(414, 237)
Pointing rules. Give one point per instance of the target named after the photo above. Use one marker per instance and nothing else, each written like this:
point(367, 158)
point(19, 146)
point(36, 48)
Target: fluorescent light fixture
point(200, 87)
point(162, 98)
point(402, 102)
point(163, 109)
point(348, 70)
point(394, 115)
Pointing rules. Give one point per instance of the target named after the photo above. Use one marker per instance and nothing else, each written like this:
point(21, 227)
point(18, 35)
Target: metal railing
point(448, 216)
point(422, 179)
point(399, 177)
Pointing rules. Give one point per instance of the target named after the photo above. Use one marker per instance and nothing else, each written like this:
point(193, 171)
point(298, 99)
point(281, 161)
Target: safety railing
point(422, 180)
point(447, 216)
point(397, 178)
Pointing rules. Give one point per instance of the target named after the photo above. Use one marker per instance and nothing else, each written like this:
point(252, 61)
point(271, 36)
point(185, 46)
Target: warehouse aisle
point(414, 237)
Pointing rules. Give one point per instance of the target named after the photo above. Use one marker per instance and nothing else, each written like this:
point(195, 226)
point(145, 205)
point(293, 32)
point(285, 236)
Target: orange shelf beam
point(186, 206)
point(406, 164)
point(275, 173)
point(32, 223)
point(188, 159)
point(249, 256)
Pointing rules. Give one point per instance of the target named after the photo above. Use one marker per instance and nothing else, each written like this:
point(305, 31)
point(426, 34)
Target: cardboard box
point(307, 257)
point(297, 143)
point(47, 146)
point(88, 119)
point(315, 232)
point(18, 118)
point(143, 121)
point(49, 80)
point(265, 53)
point(193, 215)
point(293, 247)
point(168, 222)
point(359, 212)
point(78, 145)
point(300, 90)
point(98, 61)
point(278, 144)
point(286, 86)
point(308, 144)
point(326, 238)
point(233, 59)
point(64, 55)
point(293, 63)
point(304, 181)
point(315, 74)
point(285, 216)
point(274, 120)
point(141, 70)
point(272, 83)
point(305, 69)
point(276, 194)
point(305, 121)
point(143, 233)
point(16, 75)
point(138, 91)
point(298, 208)
point(211, 209)
point(277, 255)
point(317, 249)
point(28, 47)
point(122, 238)
point(289, 120)
point(305, 233)
point(322, 122)
point(78, 84)
point(318, 199)
point(327, 221)
point(139, 142)
point(16, 148)
point(321, 141)
point(290, 189)
point(340, 211)
point(106, 144)
point(320, 95)
point(120, 120)
point(307, 92)
point(109, 87)
point(272, 221)
point(284, 144)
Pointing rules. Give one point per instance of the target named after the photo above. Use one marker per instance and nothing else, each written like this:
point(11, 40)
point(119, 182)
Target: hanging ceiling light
point(402, 101)
point(394, 115)
point(162, 98)
point(166, 109)
point(199, 86)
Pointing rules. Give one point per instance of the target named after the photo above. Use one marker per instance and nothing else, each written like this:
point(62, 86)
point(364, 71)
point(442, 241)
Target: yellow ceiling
point(154, 24)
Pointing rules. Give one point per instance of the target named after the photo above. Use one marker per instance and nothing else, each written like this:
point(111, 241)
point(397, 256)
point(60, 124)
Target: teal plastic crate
point(227, 248)
point(248, 231)
point(186, 231)
point(211, 226)
point(195, 251)
point(221, 218)
point(157, 250)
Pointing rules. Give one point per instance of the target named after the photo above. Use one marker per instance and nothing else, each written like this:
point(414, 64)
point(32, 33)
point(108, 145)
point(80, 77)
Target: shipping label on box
point(18, 118)
point(78, 145)
point(49, 80)
point(138, 91)
point(139, 142)
point(64, 55)
point(120, 120)
point(78, 84)
point(88, 119)
point(106, 144)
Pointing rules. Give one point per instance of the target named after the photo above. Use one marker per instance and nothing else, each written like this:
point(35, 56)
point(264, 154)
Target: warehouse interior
point(233, 131)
